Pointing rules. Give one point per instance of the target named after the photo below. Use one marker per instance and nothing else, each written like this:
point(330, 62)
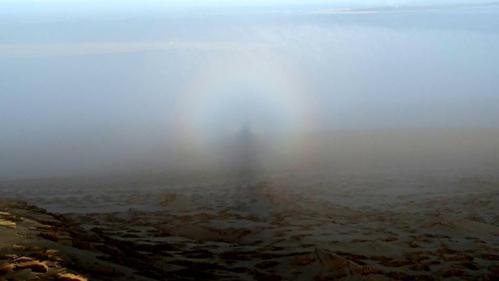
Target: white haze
point(366, 89)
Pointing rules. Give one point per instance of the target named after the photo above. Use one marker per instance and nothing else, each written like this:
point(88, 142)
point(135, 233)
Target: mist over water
point(250, 93)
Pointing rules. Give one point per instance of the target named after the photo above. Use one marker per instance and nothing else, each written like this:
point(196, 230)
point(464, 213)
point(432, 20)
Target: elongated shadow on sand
point(248, 169)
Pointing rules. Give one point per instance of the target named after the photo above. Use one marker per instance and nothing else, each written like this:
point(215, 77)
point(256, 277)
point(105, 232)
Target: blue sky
point(125, 4)
point(54, 10)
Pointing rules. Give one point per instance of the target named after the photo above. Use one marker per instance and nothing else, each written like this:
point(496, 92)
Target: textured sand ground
point(282, 229)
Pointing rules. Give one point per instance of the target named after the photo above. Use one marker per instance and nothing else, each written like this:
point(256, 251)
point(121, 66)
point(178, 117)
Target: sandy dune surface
point(269, 230)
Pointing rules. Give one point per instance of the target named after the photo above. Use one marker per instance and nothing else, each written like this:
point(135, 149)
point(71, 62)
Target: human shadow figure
point(247, 163)
point(249, 173)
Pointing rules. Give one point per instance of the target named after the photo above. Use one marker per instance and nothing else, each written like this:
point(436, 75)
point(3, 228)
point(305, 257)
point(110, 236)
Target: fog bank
point(314, 88)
